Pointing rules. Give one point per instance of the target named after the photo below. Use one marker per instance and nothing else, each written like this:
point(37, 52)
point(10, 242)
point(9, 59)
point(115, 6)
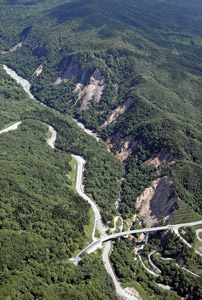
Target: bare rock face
point(70, 68)
point(163, 157)
point(120, 110)
point(90, 85)
point(156, 201)
point(39, 70)
point(92, 91)
point(125, 148)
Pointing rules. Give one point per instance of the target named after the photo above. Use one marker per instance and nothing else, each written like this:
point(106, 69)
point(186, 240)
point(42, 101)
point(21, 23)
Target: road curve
point(79, 188)
point(151, 262)
point(98, 222)
point(148, 270)
point(12, 127)
point(197, 234)
point(120, 291)
point(95, 245)
point(185, 241)
point(174, 227)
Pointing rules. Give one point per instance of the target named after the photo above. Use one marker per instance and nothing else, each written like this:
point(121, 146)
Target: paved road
point(126, 233)
point(151, 272)
point(12, 127)
point(197, 234)
point(119, 290)
point(80, 191)
point(174, 227)
point(95, 245)
point(115, 221)
point(152, 264)
point(98, 222)
point(185, 241)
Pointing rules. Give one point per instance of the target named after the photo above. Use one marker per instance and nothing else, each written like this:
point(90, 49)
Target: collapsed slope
point(124, 70)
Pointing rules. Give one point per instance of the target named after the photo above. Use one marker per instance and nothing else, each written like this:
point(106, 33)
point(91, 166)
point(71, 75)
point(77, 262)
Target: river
point(80, 161)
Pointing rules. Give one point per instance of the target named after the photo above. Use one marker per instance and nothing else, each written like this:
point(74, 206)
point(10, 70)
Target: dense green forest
point(102, 170)
point(130, 270)
point(147, 51)
point(42, 219)
point(148, 57)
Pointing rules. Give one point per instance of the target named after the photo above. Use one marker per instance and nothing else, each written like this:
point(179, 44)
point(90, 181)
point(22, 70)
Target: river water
point(27, 85)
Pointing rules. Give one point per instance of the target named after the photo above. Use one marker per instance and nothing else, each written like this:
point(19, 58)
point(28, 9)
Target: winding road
point(79, 187)
point(98, 220)
point(12, 127)
point(97, 244)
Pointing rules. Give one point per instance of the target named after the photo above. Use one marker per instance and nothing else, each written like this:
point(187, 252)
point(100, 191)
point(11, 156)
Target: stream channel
point(79, 187)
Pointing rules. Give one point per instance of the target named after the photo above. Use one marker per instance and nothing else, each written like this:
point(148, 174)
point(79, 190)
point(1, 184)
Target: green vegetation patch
point(131, 272)
point(42, 218)
point(184, 213)
point(88, 229)
point(138, 288)
point(71, 176)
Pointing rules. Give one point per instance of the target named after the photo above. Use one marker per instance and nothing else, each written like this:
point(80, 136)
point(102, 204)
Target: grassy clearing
point(185, 214)
point(198, 246)
point(138, 288)
point(195, 227)
point(72, 174)
point(200, 234)
point(97, 234)
point(88, 229)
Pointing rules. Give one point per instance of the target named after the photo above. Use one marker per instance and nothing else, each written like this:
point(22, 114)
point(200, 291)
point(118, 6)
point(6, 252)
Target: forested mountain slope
point(130, 70)
point(43, 222)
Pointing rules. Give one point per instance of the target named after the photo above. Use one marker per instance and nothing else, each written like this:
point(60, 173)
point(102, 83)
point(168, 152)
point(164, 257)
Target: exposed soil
point(163, 157)
point(71, 69)
point(125, 148)
point(156, 201)
point(39, 70)
point(121, 109)
point(92, 91)
point(16, 46)
point(132, 291)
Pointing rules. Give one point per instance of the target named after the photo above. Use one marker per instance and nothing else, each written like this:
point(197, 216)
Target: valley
point(120, 83)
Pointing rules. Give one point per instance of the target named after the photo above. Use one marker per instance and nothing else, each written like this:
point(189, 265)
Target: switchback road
point(98, 221)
